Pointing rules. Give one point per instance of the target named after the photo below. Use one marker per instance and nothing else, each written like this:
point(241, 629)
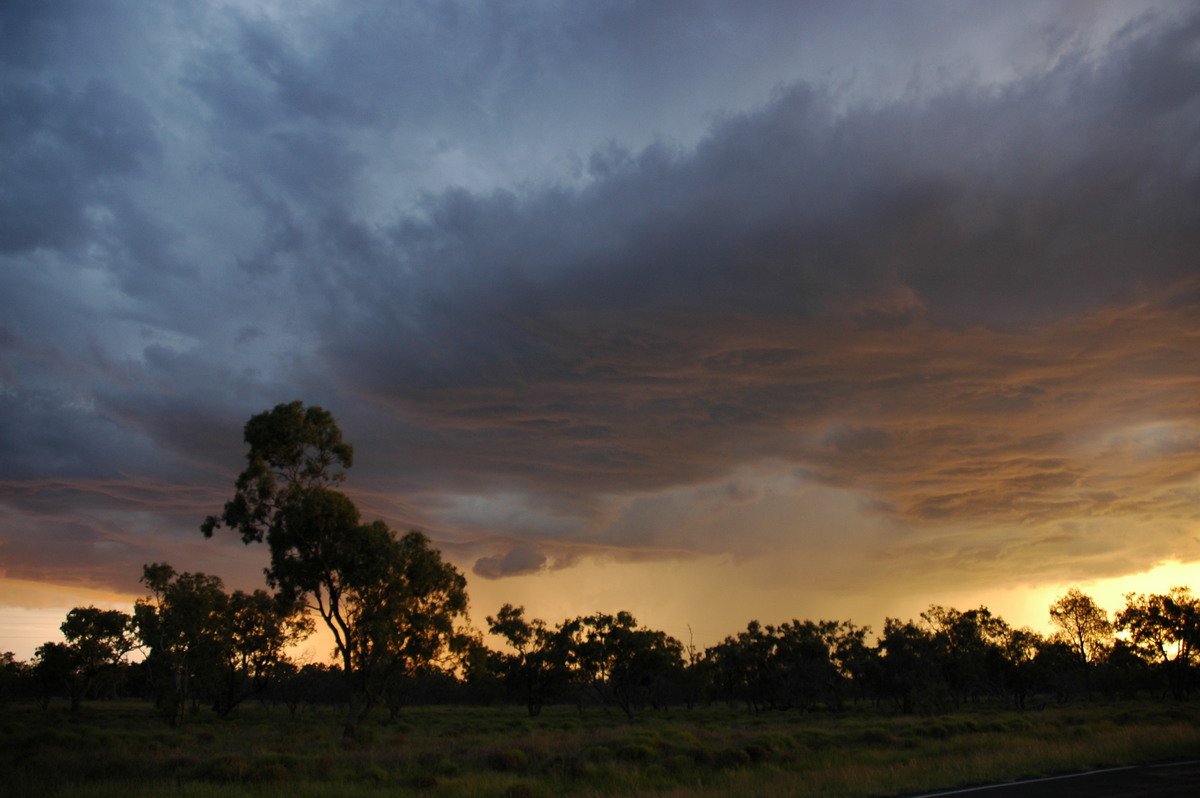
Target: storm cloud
point(632, 283)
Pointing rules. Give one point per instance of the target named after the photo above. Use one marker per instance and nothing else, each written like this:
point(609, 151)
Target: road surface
point(1168, 780)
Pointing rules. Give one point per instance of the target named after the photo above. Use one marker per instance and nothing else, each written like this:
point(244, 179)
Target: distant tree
point(619, 662)
point(1020, 679)
point(54, 667)
point(259, 629)
point(538, 665)
point(99, 640)
point(853, 659)
point(969, 649)
point(1165, 629)
point(389, 603)
point(312, 685)
point(739, 667)
point(14, 676)
point(183, 626)
point(1123, 673)
point(1058, 670)
point(481, 672)
point(908, 668)
point(1082, 624)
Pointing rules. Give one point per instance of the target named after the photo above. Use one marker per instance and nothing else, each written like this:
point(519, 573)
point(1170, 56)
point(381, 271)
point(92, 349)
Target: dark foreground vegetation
point(121, 750)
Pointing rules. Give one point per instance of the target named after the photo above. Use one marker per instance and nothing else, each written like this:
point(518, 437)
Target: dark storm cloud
point(1010, 207)
point(582, 279)
point(61, 147)
point(518, 560)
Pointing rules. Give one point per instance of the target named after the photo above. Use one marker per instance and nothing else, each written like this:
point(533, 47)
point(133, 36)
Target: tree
point(538, 666)
point(390, 604)
point(410, 613)
point(183, 626)
point(14, 676)
point(292, 449)
point(204, 643)
point(1082, 624)
point(99, 640)
point(1165, 629)
point(618, 661)
point(856, 662)
point(54, 666)
point(259, 629)
point(969, 649)
point(908, 672)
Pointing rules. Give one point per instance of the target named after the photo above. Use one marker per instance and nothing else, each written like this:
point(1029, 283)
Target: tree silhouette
point(259, 628)
point(619, 662)
point(538, 664)
point(293, 450)
point(390, 604)
point(98, 640)
point(1082, 624)
point(182, 624)
point(1165, 630)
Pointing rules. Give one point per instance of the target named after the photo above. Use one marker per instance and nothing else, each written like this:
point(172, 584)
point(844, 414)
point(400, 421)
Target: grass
point(122, 749)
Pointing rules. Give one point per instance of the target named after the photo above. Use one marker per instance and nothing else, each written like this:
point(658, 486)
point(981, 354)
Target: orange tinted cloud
point(1015, 438)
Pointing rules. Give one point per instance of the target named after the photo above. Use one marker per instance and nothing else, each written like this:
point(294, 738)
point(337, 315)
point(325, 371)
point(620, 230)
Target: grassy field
point(122, 750)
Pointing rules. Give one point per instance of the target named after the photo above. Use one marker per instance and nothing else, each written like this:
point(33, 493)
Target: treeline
point(397, 614)
point(206, 648)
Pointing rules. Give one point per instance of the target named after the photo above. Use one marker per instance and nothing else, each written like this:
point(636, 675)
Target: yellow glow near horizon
point(31, 612)
point(699, 601)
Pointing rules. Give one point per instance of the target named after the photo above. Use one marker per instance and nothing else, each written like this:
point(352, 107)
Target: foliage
point(292, 449)
point(391, 604)
point(619, 662)
point(1082, 624)
point(1165, 630)
point(199, 639)
point(794, 665)
point(98, 640)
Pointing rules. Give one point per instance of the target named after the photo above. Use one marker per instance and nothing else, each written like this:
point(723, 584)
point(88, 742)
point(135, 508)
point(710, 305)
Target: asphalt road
point(1168, 780)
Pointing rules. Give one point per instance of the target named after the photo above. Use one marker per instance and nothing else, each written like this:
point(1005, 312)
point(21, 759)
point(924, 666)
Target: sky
point(711, 311)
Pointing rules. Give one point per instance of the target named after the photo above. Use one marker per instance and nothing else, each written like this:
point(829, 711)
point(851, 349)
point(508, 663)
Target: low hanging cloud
point(517, 560)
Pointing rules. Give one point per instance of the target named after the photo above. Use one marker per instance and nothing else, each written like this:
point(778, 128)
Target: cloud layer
point(909, 299)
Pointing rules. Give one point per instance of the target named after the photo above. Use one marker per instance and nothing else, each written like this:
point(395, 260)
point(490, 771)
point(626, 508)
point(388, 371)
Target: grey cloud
point(59, 145)
point(53, 433)
point(783, 211)
point(517, 561)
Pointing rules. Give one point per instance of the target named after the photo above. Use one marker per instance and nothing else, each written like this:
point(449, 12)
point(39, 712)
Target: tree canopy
point(391, 604)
